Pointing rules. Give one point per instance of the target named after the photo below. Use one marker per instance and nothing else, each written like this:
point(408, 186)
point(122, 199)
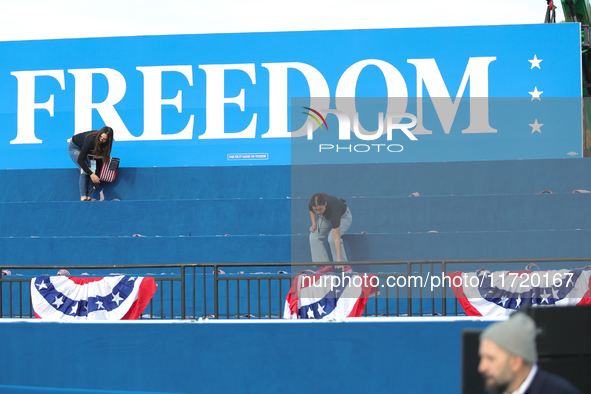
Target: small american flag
point(109, 171)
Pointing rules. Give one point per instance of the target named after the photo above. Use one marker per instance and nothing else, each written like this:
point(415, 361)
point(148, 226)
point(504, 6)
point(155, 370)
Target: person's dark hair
point(318, 199)
point(99, 149)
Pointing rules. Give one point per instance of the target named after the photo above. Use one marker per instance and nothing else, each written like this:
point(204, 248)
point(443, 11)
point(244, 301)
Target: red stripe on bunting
point(83, 281)
point(147, 290)
point(461, 296)
point(586, 300)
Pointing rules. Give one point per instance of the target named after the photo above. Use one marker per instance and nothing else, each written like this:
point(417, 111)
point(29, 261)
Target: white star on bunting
point(58, 302)
point(117, 298)
point(545, 297)
point(321, 310)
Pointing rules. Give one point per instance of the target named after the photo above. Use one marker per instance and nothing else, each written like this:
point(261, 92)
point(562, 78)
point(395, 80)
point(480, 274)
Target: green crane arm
point(576, 11)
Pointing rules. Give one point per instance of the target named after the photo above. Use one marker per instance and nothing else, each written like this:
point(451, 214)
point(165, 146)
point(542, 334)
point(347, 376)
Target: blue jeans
point(84, 182)
point(324, 227)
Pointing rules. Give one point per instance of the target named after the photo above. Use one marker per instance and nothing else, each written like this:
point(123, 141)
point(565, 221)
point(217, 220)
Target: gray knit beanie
point(517, 335)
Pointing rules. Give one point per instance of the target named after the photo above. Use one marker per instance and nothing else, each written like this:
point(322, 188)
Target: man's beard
point(500, 383)
point(496, 387)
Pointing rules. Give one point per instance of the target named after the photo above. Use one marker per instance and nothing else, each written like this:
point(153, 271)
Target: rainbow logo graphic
point(315, 118)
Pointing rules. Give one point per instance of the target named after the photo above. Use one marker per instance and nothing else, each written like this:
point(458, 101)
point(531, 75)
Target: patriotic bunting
point(67, 298)
point(498, 293)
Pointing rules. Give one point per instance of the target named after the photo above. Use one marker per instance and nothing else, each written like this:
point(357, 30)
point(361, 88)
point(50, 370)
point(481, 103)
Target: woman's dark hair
point(318, 199)
point(99, 149)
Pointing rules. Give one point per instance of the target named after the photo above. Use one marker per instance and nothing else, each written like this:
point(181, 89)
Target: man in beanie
point(508, 360)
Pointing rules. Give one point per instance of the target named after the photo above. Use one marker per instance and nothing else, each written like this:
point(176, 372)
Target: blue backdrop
point(225, 99)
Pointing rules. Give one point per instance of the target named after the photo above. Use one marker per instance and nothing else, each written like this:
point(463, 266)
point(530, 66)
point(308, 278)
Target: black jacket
point(546, 382)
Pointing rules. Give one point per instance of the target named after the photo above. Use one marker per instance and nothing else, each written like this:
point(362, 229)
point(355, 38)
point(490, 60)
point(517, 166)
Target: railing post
point(443, 292)
point(216, 303)
point(409, 288)
point(204, 291)
point(421, 290)
point(1, 288)
point(183, 292)
point(432, 293)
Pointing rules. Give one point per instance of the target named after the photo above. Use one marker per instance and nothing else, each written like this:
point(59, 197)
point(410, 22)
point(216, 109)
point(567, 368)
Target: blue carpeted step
point(143, 250)
point(440, 179)
point(154, 218)
point(460, 245)
point(460, 213)
point(369, 180)
point(150, 183)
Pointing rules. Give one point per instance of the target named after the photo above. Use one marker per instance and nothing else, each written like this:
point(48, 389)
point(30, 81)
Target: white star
point(321, 310)
point(310, 313)
point(74, 309)
point(518, 303)
point(535, 62)
point(132, 278)
point(536, 127)
point(545, 297)
point(535, 94)
point(554, 293)
point(117, 299)
point(100, 305)
point(504, 300)
point(41, 285)
point(58, 302)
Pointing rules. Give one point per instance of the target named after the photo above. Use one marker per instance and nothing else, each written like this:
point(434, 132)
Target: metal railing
point(199, 290)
